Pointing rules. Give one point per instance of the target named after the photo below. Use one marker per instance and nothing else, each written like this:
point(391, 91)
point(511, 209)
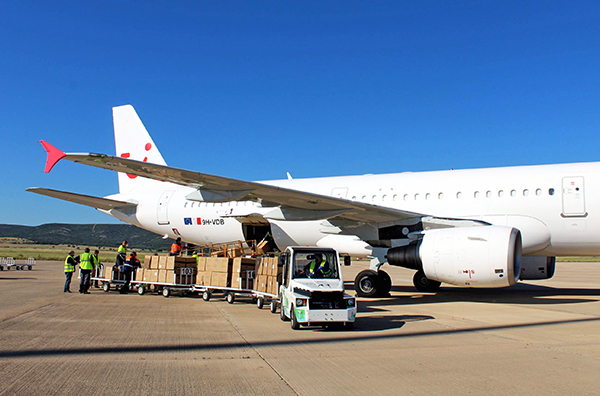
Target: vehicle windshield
point(315, 265)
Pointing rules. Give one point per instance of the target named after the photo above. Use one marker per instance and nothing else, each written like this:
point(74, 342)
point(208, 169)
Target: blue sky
point(246, 89)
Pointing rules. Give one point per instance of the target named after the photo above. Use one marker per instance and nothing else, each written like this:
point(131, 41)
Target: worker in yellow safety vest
point(70, 264)
point(86, 266)
point(318, 267)
point(96, 264)
point(122, 253)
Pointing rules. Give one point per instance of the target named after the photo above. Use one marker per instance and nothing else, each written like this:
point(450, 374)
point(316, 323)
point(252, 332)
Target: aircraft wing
point(295, 205)
point(88, 200)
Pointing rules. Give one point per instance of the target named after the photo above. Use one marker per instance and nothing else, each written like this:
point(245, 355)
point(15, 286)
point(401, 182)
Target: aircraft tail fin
point(133, 141)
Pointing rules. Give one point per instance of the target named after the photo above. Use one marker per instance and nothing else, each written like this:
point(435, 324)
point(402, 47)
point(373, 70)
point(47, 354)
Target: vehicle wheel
point(273, 306)
point(424, 284)
point(386, 284)
point(260, 302)
point(141, 290)
point(106, 287)
point(206, 295)
point(166, 292)
point(230, 298)
point(367, 283)
point(295, 324)
point(281, 313)
point(29, 267)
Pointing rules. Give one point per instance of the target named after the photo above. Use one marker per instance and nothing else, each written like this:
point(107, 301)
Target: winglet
point(54, 155)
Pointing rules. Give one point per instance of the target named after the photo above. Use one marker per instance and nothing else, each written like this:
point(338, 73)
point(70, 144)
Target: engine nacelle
point(537, 268)
point(486, 256)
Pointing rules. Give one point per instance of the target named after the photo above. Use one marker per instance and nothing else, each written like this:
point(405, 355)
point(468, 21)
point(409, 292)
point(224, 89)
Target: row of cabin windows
point(384, 198)
point(459, 195)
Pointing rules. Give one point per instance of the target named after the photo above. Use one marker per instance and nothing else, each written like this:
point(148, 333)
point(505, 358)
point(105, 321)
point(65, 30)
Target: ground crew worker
point(86, 267)
point(176, 247)
point(70, 264)
point(96, 264)
point(122, 253)
point(318, 267)
point(130, 264)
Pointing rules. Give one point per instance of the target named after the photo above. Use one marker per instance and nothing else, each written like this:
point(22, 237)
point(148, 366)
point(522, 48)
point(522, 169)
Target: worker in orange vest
point(176, 248)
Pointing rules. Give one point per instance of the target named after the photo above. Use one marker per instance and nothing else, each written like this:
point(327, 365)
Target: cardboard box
point(219, 279)
point(162, 262)
point(201, 264)
point(263, 247)
point(203, 278)
point(154, 262)
point(139, 274)
point(218, 264)
point(147, 260)
point(243, 273)
point(108, 268)
point(150, 275)
point(170, 264)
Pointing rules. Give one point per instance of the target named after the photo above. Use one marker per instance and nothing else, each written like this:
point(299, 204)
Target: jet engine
point(485, 256)
point(537, 268)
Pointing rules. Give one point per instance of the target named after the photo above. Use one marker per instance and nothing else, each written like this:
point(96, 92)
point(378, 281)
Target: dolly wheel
point(206, 295)
point(260, 302)
point(230, 298)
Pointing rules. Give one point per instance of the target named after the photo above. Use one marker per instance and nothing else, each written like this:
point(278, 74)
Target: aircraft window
point(395, 197)
point(185, 205)
point(458, 195)
point(373, 198)
point(476, 194)
point(427, 196)
point(551, 191)
point(416, 196)
point(405, 197)
point(500, 193)
point(525, 192)
point(488, 194)
point(354, 198)
point(214, 205)
point(193, 204)
point(440, 195)
point(384, 198)
point(513, 193)
point(538, 192)
point(364, 198)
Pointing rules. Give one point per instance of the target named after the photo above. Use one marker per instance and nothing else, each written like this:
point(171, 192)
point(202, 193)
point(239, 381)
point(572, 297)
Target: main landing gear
point(369, 283)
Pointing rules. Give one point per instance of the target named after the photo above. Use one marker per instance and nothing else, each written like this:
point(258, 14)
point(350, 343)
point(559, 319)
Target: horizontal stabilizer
point(88, 200)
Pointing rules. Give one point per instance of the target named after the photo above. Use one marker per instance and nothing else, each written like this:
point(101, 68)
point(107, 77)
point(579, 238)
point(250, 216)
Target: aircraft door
point(162, 211)
point(573, 197)
point(339, 192)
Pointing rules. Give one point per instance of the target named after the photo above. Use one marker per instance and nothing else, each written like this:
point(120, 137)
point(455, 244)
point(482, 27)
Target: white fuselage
point(556, 207)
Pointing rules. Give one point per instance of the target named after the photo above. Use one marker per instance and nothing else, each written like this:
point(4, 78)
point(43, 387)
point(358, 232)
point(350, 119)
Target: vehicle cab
point(312, 288)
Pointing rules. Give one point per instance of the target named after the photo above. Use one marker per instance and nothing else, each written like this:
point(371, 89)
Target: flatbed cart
point(231, 294)
point(6, 263)
point(116, 280)
point(166, 289)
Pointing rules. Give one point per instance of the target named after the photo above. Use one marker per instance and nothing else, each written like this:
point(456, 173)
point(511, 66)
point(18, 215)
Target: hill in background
point(109, 235)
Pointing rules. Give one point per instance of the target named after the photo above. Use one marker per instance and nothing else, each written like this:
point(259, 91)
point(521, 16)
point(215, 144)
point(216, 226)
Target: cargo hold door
point(573, 196)
point(162, 210)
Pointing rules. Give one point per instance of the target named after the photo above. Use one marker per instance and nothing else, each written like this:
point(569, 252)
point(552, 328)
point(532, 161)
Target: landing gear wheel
point(106, 287)
point(260, 302)
point(230, 298)
point(295, 324)
point(29, 267)
point(166, 292)
point(206, 295)
point(424, 284)
point(367, 283)
point(273, 306)
point(386, 284)
point(141, 290)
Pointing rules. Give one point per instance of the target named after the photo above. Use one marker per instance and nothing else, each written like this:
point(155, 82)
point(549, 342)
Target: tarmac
point(536, 338)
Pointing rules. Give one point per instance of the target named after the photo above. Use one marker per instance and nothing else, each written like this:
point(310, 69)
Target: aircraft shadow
point(519, 294)
point(347, 337)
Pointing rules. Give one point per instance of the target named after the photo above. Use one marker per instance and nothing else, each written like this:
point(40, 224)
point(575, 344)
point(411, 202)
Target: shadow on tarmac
point(50, 352)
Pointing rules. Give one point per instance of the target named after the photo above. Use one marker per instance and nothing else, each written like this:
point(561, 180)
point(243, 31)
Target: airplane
point(475, 228)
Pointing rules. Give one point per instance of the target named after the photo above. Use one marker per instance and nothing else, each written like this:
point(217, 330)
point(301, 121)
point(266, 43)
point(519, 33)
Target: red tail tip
point(54, 155)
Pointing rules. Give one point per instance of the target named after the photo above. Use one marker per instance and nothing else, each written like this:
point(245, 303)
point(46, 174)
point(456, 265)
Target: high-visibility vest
point(312, 270)
point(122, 249)
point(85, 261)
point(196, 257)
point(95, 261)
point(175, 248)
point(68, 266)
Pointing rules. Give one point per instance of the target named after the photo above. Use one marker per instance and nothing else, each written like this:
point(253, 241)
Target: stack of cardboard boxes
point(242, 274)
point(266, 275)
point(168, 269)
point(214, 271)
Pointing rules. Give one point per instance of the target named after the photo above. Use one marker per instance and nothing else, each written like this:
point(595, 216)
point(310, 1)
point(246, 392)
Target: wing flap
point(88, 200)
